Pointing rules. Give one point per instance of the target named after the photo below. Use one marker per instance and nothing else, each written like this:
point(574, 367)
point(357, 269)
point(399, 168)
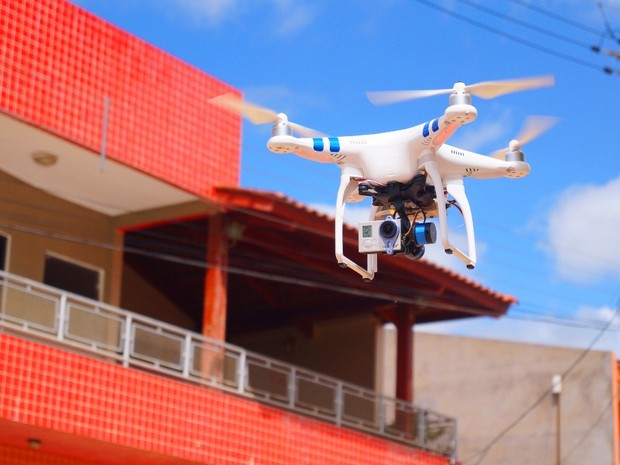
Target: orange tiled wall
point(44, 387)
point(58, 63)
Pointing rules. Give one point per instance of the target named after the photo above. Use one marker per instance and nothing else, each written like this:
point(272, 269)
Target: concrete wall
point(487, 385)
point(343, 348)
point(140, 296)
point(38, 223)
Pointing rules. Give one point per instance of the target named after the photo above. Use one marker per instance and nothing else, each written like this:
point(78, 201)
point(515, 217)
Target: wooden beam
point(216, 281)
point(404, 320)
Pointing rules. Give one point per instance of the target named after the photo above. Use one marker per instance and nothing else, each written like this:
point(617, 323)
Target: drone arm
point(347, 186)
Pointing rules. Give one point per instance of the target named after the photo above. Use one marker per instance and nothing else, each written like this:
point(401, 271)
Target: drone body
point(411, 174)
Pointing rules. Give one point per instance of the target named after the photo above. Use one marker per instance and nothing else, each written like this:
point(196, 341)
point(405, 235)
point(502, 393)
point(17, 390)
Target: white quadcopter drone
point(412, 175)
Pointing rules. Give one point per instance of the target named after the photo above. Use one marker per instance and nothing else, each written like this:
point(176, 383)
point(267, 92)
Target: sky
point(550, 239)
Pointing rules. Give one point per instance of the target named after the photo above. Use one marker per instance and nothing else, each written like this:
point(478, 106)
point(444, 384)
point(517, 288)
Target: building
point(513, 410)
point(146, 315)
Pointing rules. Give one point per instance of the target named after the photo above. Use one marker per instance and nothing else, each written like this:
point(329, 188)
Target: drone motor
point(281, 129)
point(514, 155)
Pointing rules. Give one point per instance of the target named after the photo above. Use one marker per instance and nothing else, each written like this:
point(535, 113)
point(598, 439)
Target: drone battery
point(381, 236)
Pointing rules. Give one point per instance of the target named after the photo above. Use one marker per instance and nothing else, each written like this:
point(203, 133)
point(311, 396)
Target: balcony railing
point(38, 311)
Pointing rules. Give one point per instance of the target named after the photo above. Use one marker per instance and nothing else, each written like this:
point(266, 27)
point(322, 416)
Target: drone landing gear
point(346, 192)
point(455, 188)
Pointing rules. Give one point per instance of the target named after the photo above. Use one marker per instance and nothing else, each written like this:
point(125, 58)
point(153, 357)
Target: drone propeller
point(534, 127)
point(486, 90)
point(260, 115)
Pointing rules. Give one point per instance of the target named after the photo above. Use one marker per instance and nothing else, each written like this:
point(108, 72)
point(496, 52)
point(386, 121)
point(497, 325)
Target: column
point(216, 279)
point(404, 320)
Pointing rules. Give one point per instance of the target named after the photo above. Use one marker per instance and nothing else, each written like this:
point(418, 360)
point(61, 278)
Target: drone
point(412, 175)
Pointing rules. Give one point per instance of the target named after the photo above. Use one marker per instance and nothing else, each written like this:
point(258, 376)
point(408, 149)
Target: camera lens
point(388, 229)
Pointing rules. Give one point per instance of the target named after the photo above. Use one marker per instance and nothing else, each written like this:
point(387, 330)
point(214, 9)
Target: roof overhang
point(299, 241)
point(73, 173)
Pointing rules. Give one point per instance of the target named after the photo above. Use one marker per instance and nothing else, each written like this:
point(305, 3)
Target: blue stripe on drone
point(334, 144)
point(318, 144)
point(425, 132)
point(436, 125)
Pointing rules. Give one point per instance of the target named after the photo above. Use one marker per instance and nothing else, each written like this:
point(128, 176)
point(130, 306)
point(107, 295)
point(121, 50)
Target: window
point(73, 277)
point(4, 252)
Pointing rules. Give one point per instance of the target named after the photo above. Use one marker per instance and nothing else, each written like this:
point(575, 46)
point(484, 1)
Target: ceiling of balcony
point(78, 175)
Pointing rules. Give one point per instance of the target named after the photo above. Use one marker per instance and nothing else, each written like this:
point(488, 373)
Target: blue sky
point(550, 239)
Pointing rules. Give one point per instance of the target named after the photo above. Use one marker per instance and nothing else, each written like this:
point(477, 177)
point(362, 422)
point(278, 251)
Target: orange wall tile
point(49, 388)
point(60, 63)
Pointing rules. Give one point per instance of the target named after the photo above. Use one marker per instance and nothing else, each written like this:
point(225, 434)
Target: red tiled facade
point(51, 389)
point(69, 73)
point(61, 67)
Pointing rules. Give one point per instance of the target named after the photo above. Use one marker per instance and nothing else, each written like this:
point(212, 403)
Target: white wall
point(487, 385)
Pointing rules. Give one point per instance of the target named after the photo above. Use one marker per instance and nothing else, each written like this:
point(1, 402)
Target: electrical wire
point(182, 250)
point(250, 271)
point(610, 32)
point(536, 271)
point(545, 394)
point(526, 25)
point(515, 38)
point(605, 410)
point(573, 322)
point(173, 257)
point(529, 272)
point(177, 247)
point(555, 16)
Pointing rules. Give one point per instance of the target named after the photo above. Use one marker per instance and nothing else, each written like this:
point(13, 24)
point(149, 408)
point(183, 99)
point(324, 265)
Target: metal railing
point(35, 310)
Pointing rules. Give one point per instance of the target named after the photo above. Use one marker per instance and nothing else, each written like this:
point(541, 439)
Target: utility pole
point(556, 391)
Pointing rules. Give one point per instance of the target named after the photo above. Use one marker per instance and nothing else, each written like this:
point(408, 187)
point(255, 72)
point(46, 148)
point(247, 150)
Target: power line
point(605, 410)
point(574, 322)
point(555, 16)
point(548, 391)
point(312, 283)
point(176, 247)
point(270, 275)
point(179, 250)
point(527, 25)
point(517, 39)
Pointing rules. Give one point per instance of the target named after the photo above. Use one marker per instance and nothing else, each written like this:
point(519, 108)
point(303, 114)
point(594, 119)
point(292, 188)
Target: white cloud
point(586, 328)
point(294, 16)
point(435, 253)
point(211, 11)
point(598, 315)
point(285, 16)
point(485, 132)
point(353, 214)
point(583, 230)
point(281, 98)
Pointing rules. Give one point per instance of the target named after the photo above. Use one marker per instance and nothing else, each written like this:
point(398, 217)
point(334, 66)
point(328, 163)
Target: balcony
point(34, 311)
